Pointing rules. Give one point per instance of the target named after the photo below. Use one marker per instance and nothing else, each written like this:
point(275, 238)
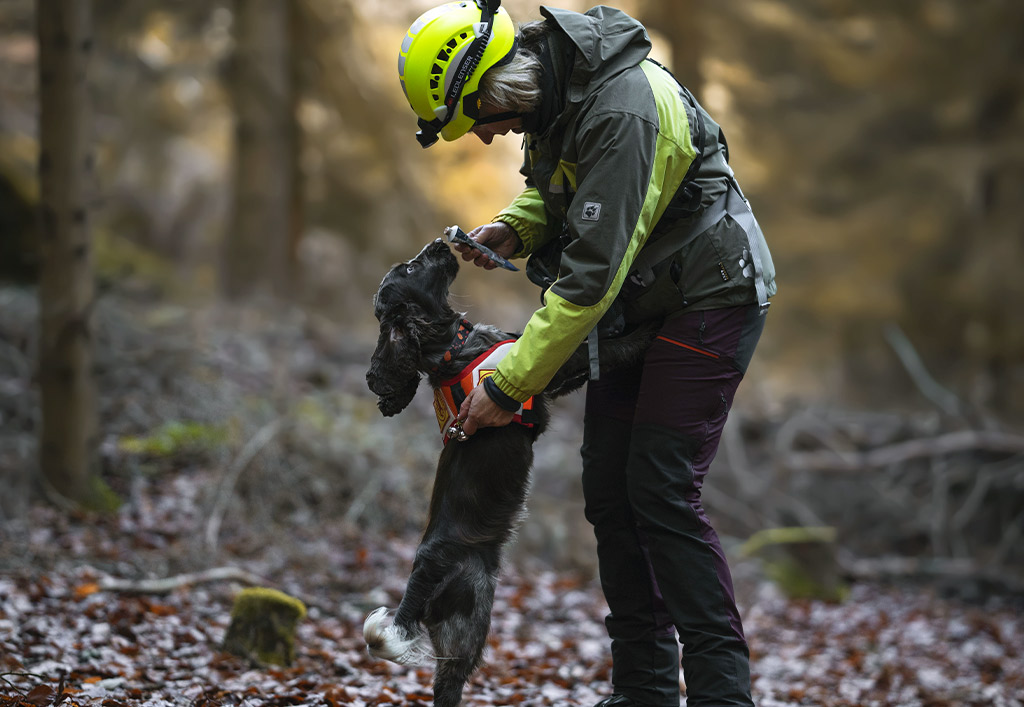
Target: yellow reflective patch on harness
point(441, 410)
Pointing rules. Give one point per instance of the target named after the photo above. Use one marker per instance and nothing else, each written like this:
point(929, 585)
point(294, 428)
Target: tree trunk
point(298, 37)
point(66, 289)
point(257, 245)
point(680, 24)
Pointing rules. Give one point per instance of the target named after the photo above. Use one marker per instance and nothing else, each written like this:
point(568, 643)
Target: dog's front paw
point(373, 627)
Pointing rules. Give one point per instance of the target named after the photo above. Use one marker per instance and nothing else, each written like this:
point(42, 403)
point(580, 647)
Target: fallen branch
point(169, 584)
point(901, 452)
point(931, 569)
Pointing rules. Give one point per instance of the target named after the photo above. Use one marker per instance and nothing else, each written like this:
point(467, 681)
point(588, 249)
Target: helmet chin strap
point(428, 133)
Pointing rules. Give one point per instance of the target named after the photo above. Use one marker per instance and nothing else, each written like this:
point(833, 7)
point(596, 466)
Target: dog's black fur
point(481, 484)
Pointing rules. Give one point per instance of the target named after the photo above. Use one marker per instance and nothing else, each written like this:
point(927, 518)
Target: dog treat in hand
point(457, 235)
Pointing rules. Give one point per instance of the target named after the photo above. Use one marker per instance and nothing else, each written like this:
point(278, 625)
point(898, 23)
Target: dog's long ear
point(394, 367)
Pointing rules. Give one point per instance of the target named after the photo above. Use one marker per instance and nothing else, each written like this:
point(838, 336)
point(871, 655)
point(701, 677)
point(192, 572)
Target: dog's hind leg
point(460, 638)
point(449, 680)
point(404, 641)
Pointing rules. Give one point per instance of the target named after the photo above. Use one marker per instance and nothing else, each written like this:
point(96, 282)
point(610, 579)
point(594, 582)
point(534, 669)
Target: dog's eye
point(409, 267)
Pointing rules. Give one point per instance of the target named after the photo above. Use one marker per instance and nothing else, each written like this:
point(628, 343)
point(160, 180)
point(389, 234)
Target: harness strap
point(595, 364)
point(738, 207)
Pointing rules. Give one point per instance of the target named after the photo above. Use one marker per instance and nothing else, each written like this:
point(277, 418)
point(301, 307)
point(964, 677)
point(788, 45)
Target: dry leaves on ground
point(65, 640)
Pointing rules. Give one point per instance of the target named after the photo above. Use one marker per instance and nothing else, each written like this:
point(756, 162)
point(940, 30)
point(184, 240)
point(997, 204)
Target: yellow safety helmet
point(443, 56)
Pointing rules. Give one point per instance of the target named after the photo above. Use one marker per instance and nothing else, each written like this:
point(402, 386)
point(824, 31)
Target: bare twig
point(169, 584)
point(743, 514)
point(1010, 540)
point(808, 423)
point(359, 503)
point(938, 509)
point(751, 485)
point(982, 482)
point(252, 448)
point(942, 397)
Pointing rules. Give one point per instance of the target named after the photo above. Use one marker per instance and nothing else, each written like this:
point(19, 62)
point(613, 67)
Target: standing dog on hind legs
point(481, 482)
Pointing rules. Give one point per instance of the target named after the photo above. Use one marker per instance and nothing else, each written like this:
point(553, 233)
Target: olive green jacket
point(607, 166)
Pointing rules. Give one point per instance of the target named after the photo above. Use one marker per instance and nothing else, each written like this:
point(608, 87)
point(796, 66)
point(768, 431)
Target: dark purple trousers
point(650, 434)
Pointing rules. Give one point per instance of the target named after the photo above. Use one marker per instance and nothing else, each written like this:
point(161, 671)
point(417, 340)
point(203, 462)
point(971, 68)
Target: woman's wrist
point(501, 399)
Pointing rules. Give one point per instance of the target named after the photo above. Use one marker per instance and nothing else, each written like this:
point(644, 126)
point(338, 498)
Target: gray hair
point(515, 86)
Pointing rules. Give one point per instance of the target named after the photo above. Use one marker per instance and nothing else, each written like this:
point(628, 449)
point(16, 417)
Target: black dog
point(481, 483)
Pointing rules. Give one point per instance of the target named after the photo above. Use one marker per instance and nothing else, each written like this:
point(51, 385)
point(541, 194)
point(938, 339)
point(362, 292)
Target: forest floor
point(65, 639)
point(248, 440)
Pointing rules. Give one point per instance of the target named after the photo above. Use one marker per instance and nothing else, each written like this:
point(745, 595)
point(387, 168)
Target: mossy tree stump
point(263, 623)
point(802, 561)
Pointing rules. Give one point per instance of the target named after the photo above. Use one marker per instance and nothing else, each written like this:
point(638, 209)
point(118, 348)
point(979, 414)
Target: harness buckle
point(455, 431)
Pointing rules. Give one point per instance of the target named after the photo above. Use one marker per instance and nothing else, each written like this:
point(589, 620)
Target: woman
point(630, 213)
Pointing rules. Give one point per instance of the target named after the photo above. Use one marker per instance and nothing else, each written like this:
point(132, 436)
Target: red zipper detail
point(691, 348)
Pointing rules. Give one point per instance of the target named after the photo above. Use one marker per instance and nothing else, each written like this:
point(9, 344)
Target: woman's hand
point(478, 410)
point(498, 236)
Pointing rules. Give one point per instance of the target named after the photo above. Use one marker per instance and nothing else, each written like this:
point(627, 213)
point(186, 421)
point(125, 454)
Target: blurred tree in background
point(258, 239)
point(69, 426)
point(680, 26)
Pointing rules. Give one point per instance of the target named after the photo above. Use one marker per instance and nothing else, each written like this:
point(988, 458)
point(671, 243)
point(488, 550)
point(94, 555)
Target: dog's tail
point(395, 643)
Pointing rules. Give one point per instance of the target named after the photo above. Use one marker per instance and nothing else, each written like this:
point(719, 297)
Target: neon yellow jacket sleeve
point(528, 216)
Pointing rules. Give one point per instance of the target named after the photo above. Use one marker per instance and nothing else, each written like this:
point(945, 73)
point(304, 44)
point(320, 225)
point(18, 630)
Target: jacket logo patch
point(591, 211)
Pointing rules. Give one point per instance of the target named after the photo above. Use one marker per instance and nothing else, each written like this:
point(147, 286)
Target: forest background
point(252, 172)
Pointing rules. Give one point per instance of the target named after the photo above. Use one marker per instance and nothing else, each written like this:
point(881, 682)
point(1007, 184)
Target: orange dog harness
point(449, 395)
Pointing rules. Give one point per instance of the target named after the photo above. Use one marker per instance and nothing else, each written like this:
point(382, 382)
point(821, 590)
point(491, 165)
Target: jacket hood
point(609, 41)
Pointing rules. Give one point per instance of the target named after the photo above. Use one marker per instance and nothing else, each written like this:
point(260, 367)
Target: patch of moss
point(263, 624)
point(124, 264)
point(101, 498)
point(176, 437)
point(801, 561)
point(799, 582)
